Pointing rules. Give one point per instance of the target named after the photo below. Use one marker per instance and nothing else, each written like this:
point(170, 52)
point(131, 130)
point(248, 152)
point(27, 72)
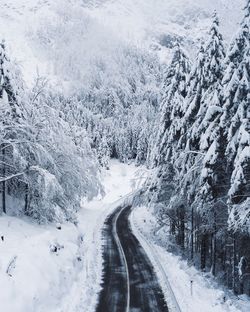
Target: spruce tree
point(236, 120)
point(172, 110)
point(204, 100)
point(236, 83)
point(206, 128)
point(197, 84)
point(186, 157)
point(174, 93)
point(211, 101)
point(200, 144)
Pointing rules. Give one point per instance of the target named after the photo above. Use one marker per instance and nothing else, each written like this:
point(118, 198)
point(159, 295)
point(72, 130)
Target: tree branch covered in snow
point(201, 182)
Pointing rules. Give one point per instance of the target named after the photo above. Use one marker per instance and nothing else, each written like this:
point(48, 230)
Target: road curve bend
point(129, 281)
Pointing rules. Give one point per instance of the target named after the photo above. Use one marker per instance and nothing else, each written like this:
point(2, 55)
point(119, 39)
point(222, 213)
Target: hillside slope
point(35, 29)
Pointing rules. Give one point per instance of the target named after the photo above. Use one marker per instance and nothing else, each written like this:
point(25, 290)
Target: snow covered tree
point(207, 137)
point(188, 158)
point(13, 127)
point(206, 127)
point(197, 84)
point(10, 84)
point(211, 101)
point(204, 98)
point(204, 103)
point(226, 143)
point(142, 147)
point(111, 105)
point(237, 123)
point(63, 168)
point(174, 93)
point(239, 192)
point(171, 112)
point(103, 151)
point(236, 84)
point(192, 146)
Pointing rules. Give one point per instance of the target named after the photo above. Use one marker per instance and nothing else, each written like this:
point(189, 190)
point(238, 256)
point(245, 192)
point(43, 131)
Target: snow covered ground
point(59, 267)
point(204, 295)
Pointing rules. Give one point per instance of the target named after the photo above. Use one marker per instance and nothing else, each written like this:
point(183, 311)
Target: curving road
point(129, 282)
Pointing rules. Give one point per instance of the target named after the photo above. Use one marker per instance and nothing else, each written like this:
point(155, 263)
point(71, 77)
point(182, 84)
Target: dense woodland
point(47, 164)
point(54, 146)
point(188, 121)
point(201, 184)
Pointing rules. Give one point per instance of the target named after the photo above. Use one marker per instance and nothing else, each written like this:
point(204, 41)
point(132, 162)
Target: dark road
point(129, 280)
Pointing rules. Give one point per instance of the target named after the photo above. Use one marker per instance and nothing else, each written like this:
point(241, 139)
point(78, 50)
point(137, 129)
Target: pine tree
point(197, 84)
point(211, 100)
point(206, 127)
point(174, 93)
point(187, 157)
point(237, 122)
point(201, 145)
point(204, 99)
point(171, 112)
point(235, 84)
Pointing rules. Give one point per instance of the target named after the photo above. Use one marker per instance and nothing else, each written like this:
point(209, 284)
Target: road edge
point(159, 269)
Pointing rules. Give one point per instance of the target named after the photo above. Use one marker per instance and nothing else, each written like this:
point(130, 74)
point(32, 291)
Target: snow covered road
point(130, 282)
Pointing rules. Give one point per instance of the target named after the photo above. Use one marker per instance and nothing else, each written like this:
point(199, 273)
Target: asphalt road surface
point(129, 282)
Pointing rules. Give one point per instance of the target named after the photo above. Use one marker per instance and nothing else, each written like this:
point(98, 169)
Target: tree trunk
point(26, 199)
point(182, 233)
point(214, 244)
point(214, 254)
point(234, 273)
point(192, 233)
point(203, 251)
point(4, 182)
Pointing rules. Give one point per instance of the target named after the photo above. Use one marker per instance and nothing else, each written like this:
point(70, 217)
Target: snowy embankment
point(59, 268)
point(185, 288)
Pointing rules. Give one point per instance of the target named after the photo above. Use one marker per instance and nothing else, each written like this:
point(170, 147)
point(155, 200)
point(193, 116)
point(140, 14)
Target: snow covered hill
point(38, 30)
point(58, 267)
point(141, 19)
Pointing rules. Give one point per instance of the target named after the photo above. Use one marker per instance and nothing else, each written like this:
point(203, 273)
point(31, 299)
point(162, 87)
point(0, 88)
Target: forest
point(187, 121)
point(201, 184)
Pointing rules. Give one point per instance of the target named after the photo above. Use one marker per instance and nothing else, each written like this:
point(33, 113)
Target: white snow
point(56, 268)
point(43, 34)
point(205, 296)
point(34, 278)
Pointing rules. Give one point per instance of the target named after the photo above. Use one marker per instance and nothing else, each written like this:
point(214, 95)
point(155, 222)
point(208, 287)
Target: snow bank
point(192, 290)
point(37, 264)
point(59, 267)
